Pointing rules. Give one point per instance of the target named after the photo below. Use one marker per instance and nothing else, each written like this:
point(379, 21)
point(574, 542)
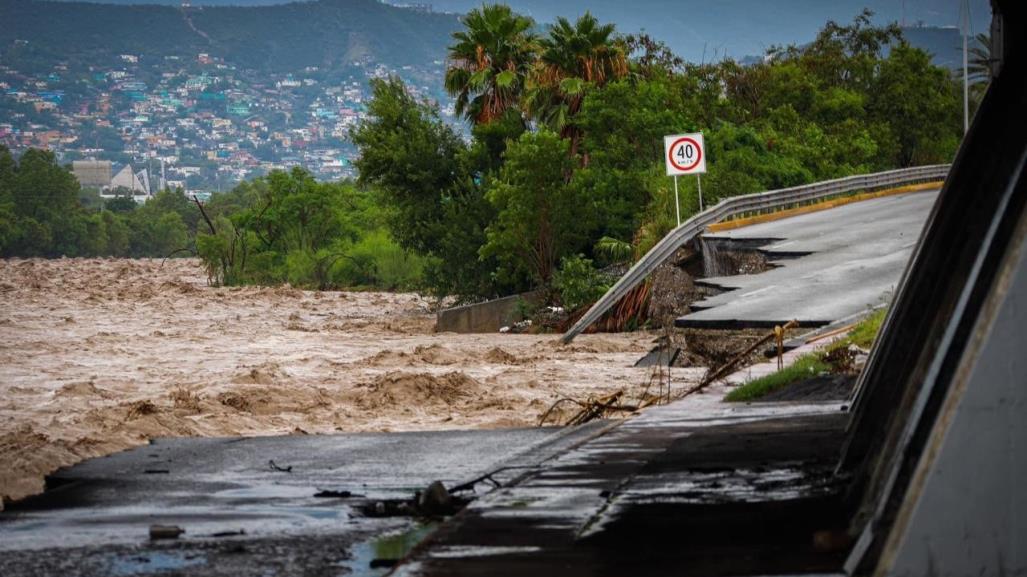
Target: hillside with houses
point(203, 98)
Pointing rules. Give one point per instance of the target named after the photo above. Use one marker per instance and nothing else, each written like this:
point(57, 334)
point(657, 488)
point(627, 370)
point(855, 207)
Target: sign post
point(684, 154)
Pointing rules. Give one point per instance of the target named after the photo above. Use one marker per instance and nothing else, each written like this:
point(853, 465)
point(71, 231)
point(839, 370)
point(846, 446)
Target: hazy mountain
point(944, 44)
point(712, 28)
point(325, 33)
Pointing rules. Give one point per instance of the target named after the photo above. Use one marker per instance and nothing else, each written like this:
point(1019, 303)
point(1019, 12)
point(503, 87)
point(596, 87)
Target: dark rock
point(165, 532)
point(435, 500)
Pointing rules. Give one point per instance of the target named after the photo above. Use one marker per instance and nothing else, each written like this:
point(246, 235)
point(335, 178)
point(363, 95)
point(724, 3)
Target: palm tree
point(573, 59)
point(978, 69)
point(979, 61)
point(489, 62)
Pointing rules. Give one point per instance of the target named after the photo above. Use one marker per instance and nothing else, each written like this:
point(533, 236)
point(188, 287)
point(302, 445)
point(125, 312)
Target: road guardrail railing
point(760, 202)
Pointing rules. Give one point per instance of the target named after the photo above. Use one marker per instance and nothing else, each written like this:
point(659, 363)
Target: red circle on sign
point(698, 156)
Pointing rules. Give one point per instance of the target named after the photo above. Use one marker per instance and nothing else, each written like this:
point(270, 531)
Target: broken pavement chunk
point(165, 532)
point(435, 500)
point(329, 493)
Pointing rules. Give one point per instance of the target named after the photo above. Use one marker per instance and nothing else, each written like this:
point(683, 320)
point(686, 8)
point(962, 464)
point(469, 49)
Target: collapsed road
point(828, 265)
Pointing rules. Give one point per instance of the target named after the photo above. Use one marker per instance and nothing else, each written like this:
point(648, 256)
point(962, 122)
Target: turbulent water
point(100, 355)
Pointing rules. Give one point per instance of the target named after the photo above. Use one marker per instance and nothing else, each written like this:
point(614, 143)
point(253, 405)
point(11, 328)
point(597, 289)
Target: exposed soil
point(673, 283)
point(715, 347)
point(738, 262)
point(97, 356)
point(730, 257)
point(673, 286)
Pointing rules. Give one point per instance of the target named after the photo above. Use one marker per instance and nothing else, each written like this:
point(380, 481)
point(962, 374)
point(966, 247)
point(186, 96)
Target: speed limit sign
point(684, 154)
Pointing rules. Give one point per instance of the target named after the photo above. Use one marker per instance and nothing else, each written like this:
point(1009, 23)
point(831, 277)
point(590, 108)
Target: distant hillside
point(944, 44)
point(698, 29)
point(325, 33)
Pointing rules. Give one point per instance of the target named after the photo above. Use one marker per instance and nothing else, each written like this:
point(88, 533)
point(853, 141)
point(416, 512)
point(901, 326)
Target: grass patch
point(863, 334)
point(811, 364)
point(805, 366)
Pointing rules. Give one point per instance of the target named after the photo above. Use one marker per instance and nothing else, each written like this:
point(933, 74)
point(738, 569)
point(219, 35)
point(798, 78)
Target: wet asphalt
point(243, 515)
point(832, 264)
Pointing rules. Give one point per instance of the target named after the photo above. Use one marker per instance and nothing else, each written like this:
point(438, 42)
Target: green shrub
point(301, 266)
point(578, 283)
point(377, 260)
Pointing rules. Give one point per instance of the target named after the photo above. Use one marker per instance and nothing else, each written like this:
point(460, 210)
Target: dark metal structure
point(936, 441)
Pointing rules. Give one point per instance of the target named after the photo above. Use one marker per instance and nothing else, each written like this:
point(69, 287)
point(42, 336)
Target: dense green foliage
point(425, 174)
point(540, 216)
point(578, 282)
point(287, 227)
point(41, 214)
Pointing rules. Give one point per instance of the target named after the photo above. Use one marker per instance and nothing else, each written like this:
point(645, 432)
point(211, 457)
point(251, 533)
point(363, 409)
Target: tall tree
point(573, 59)
point(45, 196)
point(979, 59)
point(540, 218)
point(848, 56)
point(650, 57)
point(918, 104)
point(489, 61)
point(408, 153)
point(978, 68)
point(422, 169)
point(7, 168)
point(8, 219)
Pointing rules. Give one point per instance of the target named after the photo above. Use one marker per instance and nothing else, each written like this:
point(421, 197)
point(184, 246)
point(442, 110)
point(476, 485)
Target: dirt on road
point(97, 356)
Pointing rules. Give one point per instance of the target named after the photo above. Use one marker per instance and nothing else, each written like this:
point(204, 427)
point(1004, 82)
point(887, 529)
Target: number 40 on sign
point(684, 154)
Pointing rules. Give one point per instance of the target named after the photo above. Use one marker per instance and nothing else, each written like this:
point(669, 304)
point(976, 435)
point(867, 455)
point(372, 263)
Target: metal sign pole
point(964, 16)
point(698, 180)
point(677, 203)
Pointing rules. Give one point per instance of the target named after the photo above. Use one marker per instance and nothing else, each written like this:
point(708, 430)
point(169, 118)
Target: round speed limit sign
point(684, 154)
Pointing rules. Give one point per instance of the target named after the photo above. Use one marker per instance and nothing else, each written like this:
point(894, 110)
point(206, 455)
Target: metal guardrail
point(737, 205)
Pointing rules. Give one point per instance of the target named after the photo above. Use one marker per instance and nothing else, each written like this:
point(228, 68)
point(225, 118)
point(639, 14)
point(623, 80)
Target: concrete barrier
point(486, 317)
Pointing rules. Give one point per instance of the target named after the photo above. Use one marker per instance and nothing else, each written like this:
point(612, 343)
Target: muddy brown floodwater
point(97, 356)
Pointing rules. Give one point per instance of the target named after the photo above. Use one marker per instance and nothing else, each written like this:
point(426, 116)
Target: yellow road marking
point(751, 220)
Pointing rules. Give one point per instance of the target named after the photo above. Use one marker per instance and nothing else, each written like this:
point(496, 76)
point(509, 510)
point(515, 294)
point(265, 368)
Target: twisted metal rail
point(750, 203)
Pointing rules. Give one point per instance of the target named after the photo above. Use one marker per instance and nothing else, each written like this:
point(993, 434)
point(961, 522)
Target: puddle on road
point(148, 563)
point(376, 557)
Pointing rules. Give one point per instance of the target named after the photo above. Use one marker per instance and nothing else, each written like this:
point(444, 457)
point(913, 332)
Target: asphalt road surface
point(832, 264)
point(240, 515)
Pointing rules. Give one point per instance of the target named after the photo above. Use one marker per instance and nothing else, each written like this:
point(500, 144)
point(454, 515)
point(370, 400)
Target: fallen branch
point(595, 409)
point(469, 485)
point(204, 214)
point(174, 252)
point(545, 416)
point(278, 469)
